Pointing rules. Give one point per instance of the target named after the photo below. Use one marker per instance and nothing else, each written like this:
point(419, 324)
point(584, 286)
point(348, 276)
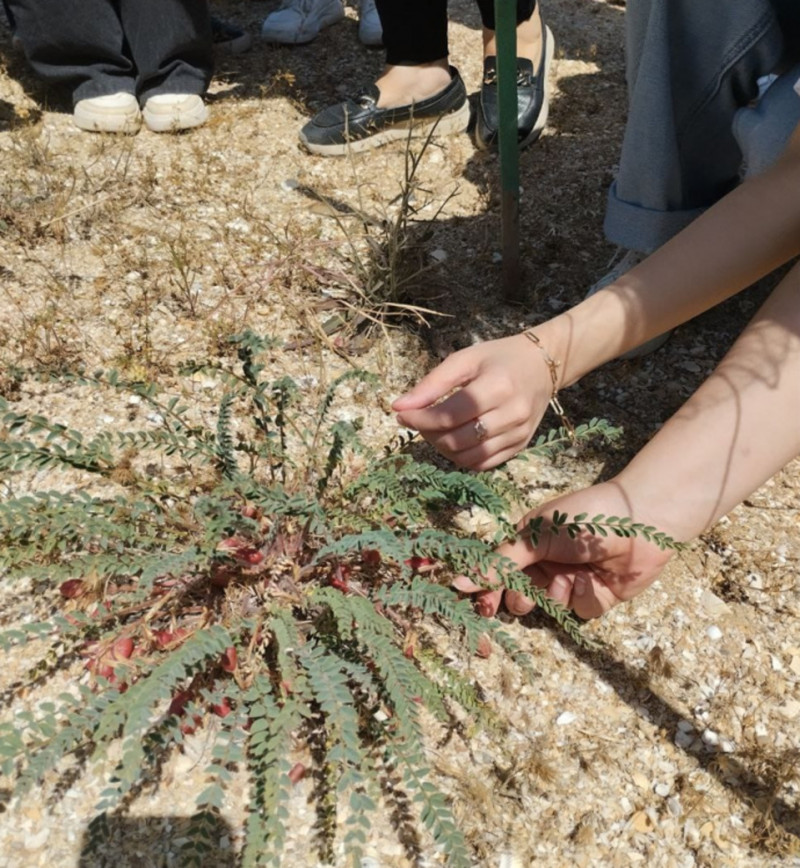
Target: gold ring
point(480, 430)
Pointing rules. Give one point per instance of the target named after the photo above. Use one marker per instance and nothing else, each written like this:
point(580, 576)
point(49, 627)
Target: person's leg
point(75, 42)
point(418, 94)
point(228, 37)
point(170, 42)
point(297, 22)
point(689, 68)
point(529, 30)
point(9, 15)
point(415, 37)
point(762, 130)
point(171, 45)
point(535, 48)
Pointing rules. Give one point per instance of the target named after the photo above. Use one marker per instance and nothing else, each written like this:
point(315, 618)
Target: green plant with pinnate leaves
point(265, 579)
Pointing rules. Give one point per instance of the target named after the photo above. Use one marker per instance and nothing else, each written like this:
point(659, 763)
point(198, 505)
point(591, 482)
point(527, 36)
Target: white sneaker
point(171, 112)
point(370, 31)
point(299, 21)
point(113, 113)
point(621, 263)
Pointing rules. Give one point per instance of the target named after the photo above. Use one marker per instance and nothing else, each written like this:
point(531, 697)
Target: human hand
point(588, 573)
point(503, 383)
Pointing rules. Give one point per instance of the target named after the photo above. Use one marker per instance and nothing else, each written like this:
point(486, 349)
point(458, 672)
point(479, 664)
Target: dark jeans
point(415, 31)
point(99, 47)
point(9, 14)
point(691, 65)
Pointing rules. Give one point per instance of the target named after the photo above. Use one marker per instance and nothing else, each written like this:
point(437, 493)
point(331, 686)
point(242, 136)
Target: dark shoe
point(358, 124)
point(532, 98)
point(227, 37)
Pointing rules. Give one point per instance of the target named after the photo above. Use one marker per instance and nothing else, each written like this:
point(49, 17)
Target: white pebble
point(726, 745)
point(691, 834)
point(674, 806)
point(714, 633)
point(509, 860)
point(755, 581)
point(238, 225)
point(565, 718)
point(155, 418)
point(290, 184)
point(439, 255)
point(662, 790)
point(710, 738)
point(135, 399)
point(34, 842)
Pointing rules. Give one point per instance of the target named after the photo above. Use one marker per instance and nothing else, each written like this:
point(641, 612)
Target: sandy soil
point(677, 744)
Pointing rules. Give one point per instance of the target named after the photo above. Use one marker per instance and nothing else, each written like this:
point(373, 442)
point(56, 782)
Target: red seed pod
point(250, 510)
point(370, 557)
point(72, 588)
point(483, 605)
point(297, 772)
point(410, 651)
point(222, 709)
point(419, 564)
point(179, 702)
point(222, 575)
point(229, 659)
point(484, 648)
point(241, 549)
point(122, 648)
point(100, 666)
point(254, 557)
point(231, 544)
point(339, 577)
point(122, 686)
point(166, 638)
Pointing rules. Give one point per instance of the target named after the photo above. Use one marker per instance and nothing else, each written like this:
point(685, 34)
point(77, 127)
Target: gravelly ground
point(675, 745)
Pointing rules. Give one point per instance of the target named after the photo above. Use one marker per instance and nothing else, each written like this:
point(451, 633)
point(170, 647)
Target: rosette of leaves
point(242, 579)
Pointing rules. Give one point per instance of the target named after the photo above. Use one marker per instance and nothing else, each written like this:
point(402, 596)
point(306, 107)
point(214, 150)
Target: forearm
point(740, 427)
point(746, 235)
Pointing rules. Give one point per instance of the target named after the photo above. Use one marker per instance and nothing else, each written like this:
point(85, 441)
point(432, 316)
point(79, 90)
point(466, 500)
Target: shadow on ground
point(157, 842)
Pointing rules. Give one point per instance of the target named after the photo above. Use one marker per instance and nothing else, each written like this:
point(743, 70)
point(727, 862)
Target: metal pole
point(505, 20)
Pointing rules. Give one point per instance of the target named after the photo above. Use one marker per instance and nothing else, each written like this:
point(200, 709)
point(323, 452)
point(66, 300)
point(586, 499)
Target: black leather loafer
point(532, 98)
point(358, 124)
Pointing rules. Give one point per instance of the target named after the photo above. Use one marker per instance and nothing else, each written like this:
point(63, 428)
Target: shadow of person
point(203, 838)
point(12, 117)
point(12, 60)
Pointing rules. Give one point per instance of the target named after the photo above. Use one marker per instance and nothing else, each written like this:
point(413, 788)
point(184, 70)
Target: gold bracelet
point(552, 366)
